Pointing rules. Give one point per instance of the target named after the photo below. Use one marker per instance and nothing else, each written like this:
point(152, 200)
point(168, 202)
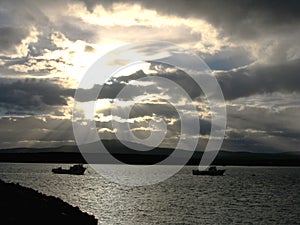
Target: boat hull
point(64, 171)
point(209, 173)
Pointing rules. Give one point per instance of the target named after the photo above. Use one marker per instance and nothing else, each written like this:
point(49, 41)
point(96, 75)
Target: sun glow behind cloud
point(121, 24)
point(125, 23)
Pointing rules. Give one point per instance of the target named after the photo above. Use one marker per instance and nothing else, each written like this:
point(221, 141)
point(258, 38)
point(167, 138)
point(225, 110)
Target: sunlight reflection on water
point(271, 196)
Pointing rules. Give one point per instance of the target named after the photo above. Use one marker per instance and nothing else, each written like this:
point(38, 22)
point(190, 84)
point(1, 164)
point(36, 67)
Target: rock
point(22, 205)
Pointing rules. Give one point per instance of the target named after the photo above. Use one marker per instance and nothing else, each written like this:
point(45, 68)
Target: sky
point(251, 47)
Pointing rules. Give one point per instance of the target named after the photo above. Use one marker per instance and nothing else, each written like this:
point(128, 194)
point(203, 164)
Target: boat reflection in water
point(212, 171)
point(75, 170)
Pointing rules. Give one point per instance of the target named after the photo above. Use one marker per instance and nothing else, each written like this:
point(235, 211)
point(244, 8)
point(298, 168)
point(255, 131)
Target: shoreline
point(219, 165)
point(24, 205)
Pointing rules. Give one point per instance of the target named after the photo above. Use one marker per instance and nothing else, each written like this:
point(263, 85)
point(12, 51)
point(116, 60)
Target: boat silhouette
point(212, 171)
point(75, 170)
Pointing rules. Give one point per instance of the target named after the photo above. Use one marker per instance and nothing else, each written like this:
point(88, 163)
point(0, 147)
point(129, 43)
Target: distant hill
point(66, 148)
point(71, 154)
point(113, 146)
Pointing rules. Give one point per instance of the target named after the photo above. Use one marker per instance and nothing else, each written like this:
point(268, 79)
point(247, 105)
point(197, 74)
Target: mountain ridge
point(71, 154)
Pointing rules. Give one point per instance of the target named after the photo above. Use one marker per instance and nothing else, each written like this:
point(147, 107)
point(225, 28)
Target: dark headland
point(22, 205)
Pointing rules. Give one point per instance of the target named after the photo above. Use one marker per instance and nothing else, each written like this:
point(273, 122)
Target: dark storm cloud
point(109, 91)
point(246, 19)
point(113, 87)
point(76, 30)
point(10, 37)
point(19, 131)
point(9, 61)
point(241, 82)
point(164, 110)
point(25, 14)
point(264, 119)
point(228, 58)
point(22, 14)
point(260, 79)
point(205, 126)
point(33, 94)
point(178, 76)
point(33, 123)
point(262, 129)
point(237, 83)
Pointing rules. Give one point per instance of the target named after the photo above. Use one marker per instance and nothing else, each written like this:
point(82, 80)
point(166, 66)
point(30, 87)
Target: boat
point(75, 170)
point(212, 171)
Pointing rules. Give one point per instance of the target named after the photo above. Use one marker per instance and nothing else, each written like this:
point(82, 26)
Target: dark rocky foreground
point(21, 205)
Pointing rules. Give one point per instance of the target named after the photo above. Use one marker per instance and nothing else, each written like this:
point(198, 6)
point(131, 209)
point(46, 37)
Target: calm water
point(270, 197)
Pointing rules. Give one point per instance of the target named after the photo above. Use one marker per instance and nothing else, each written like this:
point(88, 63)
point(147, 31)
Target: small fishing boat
point(75, 170)
point(212, 171)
